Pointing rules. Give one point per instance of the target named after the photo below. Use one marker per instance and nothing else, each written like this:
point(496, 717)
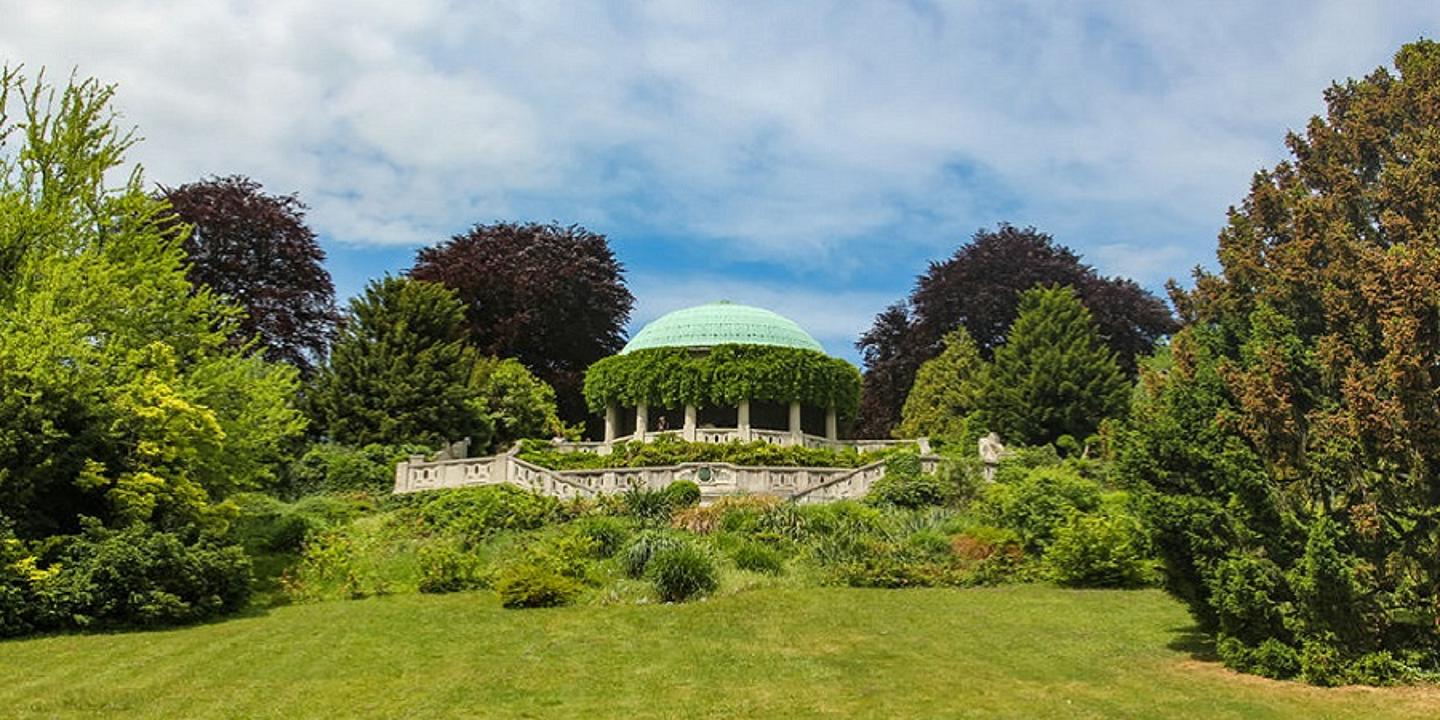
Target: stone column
point(795, 431)
point(690, 422)
point(642, 421)
point(612, 419)
point(832, 428)
point(742, 420)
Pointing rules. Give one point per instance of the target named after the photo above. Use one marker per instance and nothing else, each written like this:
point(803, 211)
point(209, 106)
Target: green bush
point(681, 494)
point(646, 505)
point(681, 572)
point(532, 584)
point(331, 468)
point(758, 557)
point(444, 568)
point(930, 544)
point(1037, 504)
point(607, 534)
point(643, 548)
point(1272, 659)
point(925, 490)
point(105, 578)
point(264, 524)
point(872, 562)
point(1098, 550)
point(472, 514)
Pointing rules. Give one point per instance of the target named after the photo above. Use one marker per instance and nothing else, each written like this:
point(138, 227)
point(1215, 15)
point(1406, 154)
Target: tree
point(400, 370)
point(1289, 453)
point(889, 371)
point(1053, 376)
point(255, 249)
point(518, 404)
point(943, 396)
point(550, 296)
point(979, 288)
point(121, 399)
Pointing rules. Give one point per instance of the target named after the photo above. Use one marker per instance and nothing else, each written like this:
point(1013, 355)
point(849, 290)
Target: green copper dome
point(721, 323)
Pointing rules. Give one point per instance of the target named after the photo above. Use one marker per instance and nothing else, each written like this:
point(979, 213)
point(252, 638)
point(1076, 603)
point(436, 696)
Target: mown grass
point(1017, 651)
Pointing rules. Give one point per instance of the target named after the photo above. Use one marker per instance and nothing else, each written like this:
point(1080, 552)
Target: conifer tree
point(943, 397)
point(1290, 454)
point(1053, 376)
point(400, 370)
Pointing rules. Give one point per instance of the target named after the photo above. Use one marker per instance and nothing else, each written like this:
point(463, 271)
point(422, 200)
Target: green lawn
point(1020, 651)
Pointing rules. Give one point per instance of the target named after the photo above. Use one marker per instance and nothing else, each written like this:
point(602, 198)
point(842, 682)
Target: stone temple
point(715, 373)
point(700, 329)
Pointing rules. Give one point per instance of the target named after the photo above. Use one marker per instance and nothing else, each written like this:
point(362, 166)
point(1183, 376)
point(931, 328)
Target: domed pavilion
point(724, 371)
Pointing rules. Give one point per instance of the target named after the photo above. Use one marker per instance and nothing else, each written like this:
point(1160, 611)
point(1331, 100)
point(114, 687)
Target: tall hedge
point(723, 376)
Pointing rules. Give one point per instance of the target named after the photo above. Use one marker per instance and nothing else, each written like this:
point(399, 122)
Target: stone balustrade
point(803, 484)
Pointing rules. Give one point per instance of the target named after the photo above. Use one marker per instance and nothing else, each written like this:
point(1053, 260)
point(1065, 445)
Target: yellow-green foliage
point(943, 396)
point(122, 396)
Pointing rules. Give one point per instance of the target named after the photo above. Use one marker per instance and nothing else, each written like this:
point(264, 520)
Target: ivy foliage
point(723, 376)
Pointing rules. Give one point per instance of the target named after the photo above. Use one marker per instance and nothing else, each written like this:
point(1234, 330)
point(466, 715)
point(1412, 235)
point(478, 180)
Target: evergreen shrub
point(532, 584)
point(1098, 550)
point(108, 578)
point(682, 493)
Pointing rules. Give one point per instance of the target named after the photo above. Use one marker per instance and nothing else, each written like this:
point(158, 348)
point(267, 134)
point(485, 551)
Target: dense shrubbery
point(264, 524)
point(331, 468)
point(1099, 550)
point(105, 578)
point(669, 450)
point(904, 485)
point(1043, 518)
point(472, 514)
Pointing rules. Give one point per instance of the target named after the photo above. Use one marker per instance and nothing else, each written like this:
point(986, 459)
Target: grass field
point(1019, 651)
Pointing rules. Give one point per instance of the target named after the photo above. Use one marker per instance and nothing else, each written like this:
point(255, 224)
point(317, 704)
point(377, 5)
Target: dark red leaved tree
point(256, 249)
point(979, 287)
point(551, 296)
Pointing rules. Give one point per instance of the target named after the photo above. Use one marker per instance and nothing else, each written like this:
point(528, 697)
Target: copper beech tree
point(978, 289)
point(255, 249)
point(1289, 452)
point(551, 296)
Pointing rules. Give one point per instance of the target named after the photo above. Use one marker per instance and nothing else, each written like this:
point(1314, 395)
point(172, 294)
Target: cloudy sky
point(809, 157)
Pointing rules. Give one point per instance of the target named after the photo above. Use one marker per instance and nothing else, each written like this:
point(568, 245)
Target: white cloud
point(787, 132)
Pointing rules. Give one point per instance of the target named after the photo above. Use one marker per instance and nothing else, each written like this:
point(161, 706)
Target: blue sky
point(808, 157)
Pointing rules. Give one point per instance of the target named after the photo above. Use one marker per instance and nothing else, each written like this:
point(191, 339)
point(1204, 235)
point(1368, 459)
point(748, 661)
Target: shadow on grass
point(1190, 640)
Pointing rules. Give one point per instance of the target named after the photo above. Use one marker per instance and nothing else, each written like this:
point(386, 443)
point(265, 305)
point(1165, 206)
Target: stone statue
point(454, 451)
point(991, 450)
